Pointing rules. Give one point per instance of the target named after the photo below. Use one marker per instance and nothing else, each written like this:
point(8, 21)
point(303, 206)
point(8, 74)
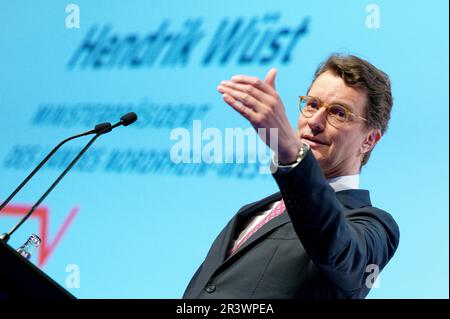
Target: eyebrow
point(343, 104)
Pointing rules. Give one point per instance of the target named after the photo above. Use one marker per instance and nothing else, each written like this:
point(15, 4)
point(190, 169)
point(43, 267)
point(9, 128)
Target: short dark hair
point(361, 74)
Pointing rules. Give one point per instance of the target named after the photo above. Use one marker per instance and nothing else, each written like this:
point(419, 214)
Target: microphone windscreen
point(128, 118)
point(103, 128)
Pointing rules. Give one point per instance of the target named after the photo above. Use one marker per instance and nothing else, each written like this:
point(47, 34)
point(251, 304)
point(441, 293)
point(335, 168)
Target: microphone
point(99, 130)
point(126, 120)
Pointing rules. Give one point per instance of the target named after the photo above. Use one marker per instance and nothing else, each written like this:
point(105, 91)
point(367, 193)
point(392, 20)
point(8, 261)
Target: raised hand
point(258, 101)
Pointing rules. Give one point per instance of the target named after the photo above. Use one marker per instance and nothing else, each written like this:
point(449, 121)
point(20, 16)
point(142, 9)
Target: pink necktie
point(276, 211)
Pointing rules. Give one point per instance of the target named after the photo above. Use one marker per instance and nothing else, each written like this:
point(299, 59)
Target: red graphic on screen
point(42, 213)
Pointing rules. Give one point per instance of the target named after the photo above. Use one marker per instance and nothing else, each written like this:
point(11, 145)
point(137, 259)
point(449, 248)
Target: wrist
point(277, 166)
point(290, 156)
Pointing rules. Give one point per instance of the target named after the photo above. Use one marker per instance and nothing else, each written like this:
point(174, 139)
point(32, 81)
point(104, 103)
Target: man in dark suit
point(320, 236)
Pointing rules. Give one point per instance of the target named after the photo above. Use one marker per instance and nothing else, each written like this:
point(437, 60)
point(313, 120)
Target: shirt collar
point(342, 183)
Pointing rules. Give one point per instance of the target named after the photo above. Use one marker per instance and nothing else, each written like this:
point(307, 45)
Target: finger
point(247, 100)
point(245, 97)
point(253, 81)
point(243, 88)
point(247, 112)
point(270, 77)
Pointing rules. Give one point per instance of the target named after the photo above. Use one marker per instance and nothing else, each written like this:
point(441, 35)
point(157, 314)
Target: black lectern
point(21, 279)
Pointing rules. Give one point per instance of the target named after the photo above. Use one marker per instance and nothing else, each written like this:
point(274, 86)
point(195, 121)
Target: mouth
point(313, 141)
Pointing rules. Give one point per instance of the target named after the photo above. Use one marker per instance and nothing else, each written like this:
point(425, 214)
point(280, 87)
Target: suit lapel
point(268, 227)
point(217, 254)
point(243, 214)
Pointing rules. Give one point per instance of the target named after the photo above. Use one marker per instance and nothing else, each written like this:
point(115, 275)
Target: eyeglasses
point(337, 115)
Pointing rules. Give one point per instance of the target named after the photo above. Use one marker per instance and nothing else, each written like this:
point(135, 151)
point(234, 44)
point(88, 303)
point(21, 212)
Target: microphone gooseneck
point(99, 129)
point(49, 155)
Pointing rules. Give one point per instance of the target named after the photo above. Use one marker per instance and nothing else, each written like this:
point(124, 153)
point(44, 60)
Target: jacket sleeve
point(341, 242)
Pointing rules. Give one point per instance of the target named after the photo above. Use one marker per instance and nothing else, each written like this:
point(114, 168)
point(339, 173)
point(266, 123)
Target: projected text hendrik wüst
point(247, 41)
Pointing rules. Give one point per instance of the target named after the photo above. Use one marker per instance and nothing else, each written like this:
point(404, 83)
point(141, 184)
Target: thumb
point(270, 77)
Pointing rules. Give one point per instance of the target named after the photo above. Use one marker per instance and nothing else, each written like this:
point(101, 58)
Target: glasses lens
point(309, 105)
point(337, 114)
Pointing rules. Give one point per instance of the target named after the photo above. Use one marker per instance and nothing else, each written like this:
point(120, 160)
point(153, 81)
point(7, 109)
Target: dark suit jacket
point(320, 248)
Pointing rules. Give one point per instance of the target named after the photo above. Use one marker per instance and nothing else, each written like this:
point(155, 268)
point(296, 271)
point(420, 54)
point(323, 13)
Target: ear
point(371, 139)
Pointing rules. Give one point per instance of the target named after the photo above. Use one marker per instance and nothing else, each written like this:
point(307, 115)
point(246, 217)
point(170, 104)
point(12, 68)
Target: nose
point(318, 121)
